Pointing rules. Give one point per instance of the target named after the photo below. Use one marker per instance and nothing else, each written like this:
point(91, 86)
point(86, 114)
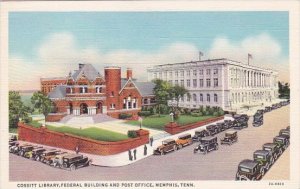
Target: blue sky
point(58, 38)
point(143, 30)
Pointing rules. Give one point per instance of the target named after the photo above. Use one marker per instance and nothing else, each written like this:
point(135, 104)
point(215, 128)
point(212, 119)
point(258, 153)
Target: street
point(179, 165)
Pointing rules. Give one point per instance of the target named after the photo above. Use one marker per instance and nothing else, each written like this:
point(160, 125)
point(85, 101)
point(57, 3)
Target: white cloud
point(60, 53)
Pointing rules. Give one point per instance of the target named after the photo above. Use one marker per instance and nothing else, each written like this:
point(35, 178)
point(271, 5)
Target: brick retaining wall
point(174, 128)
point(44, 136)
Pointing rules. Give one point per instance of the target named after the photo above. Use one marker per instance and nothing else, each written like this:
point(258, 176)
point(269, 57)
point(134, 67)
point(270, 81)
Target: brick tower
point(113, 86)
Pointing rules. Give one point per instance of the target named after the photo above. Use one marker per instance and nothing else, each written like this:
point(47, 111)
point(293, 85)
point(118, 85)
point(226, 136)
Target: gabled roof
point(145, 88)
point(88, 70)
point(58, 92)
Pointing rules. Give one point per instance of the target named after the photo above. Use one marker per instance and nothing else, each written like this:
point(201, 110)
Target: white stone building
point(224, 83)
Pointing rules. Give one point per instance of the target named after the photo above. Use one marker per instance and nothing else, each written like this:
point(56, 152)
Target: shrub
point(220, 112)
point(125, 116)
point(196, 114)
point(27, 119)
point(132, 134)
point(144, 113)
point(215, 113)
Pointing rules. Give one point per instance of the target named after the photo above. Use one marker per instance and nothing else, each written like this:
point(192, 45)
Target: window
point(112, 106)
point(188, 98)
point(112, 93)
point(83, 90)
point(176, 82)
point(176, 73)
point(188, 83)
point(145, 101)
point(201, 97)
point(215, 98)
point(216, 82)
point(134, 102)
point(215, 71)
point(208, 72)
point(194, 83)
point(182, 82)
point(165, 74)
point(201, 82)
point(188, 73)
point(170, 74)
point(125, 101)
point(201, 72)
point(194, 97)
point(98, 89)
point(208, 97)
point(155, 75)
point(194, 72)
point(160, 75)
point(182, 73)
point(207, 82)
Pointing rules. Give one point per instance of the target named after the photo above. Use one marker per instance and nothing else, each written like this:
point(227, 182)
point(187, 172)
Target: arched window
point(215, 98)
point(194, 97)
point(208, 97)
point(201, 97)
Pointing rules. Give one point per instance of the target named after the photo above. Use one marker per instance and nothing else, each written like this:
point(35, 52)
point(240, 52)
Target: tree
point(41, 103)
point(176, 93)
point(283, 90)
point(17, 109)
point(161, 93)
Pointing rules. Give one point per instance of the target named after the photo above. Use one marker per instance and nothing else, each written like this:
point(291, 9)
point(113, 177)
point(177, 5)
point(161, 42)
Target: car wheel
point(217, 147)
point(162, 153)
point(243, 178)
point(37, 158)
point(272, 161)
point(262, 171)
point(72, 167)
point(179, 146)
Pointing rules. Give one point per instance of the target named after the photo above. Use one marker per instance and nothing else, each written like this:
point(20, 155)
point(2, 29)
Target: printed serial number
point(276, 183)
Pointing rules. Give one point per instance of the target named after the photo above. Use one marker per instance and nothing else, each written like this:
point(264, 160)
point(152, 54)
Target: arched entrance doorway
point(71, 108)
point(99, 108)
point(83, 108)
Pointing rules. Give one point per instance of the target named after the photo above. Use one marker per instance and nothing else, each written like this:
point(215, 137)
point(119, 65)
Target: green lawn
point(92, 132)
point(35, 123)
point(157, 122)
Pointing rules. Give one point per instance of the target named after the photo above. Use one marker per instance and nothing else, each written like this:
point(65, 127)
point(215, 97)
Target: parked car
point(58, 160)
point(207, 144)
point(200, 134)
point(230, 137)
point(241, 117)
point(258, 119)
point(240, 124)
point(36, 153)
point(282, 141)
point(168, 145)
point(29, 150)
point(73, 161)
point(212, 129)
point(48, 159)
point(12, 143)
point(46, 153)
point(220, 127)
point(274, 150)
point(264, 159)
point(249, 170)
point(260, 111)
point(285, 132)
point(228, 124)
point(184, 140)
point(268, 109)
point(25, 148)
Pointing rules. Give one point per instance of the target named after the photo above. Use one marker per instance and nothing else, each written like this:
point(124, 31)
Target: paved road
point(179, 165)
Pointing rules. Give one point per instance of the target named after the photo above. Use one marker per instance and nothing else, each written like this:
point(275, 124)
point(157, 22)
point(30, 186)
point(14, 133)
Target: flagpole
point(248, 59)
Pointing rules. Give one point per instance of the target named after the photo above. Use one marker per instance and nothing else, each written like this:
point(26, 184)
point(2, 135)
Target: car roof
point(168, 140)
point(247, 163)
point(184, 135)
point(51, 150)
point(269, 145)
point(231, 132)
point(208, 138)
point(261, 152)
point(72, 155)
point(212, 125)
point(199, 130)
point(280, 137)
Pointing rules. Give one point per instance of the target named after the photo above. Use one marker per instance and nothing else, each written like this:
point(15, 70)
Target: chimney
point(129, 73)
point(80, 65)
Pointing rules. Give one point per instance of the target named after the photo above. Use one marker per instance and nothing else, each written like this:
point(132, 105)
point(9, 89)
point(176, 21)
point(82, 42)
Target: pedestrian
point(151, 141)
point(134, 154)
point(145, 150)
point(77, 149)
point(129, 154)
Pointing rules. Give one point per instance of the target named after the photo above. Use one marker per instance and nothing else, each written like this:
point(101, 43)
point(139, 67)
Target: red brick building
point(86, 91)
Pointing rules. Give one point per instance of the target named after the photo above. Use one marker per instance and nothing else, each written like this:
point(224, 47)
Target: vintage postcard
point(178, 94)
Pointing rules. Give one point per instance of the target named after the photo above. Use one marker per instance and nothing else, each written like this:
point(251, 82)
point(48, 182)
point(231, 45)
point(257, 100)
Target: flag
point(200, 53)
point(250, 56)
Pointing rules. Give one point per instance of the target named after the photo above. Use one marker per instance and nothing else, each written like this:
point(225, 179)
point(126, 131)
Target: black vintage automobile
point(230, 137)
point(212, 129)
point(285, 132)
point(23, 149)
point(228, 124)
point(37, 152)
point(13, 143)
point(281, 141)
point(207, 144)
point(221, 127)
point(49, 152)
point(73, 161)
point(264, 159)
point(249, 170)
point(267, 109)
point(200, 133)
point(258, 119)
point(274, 150)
